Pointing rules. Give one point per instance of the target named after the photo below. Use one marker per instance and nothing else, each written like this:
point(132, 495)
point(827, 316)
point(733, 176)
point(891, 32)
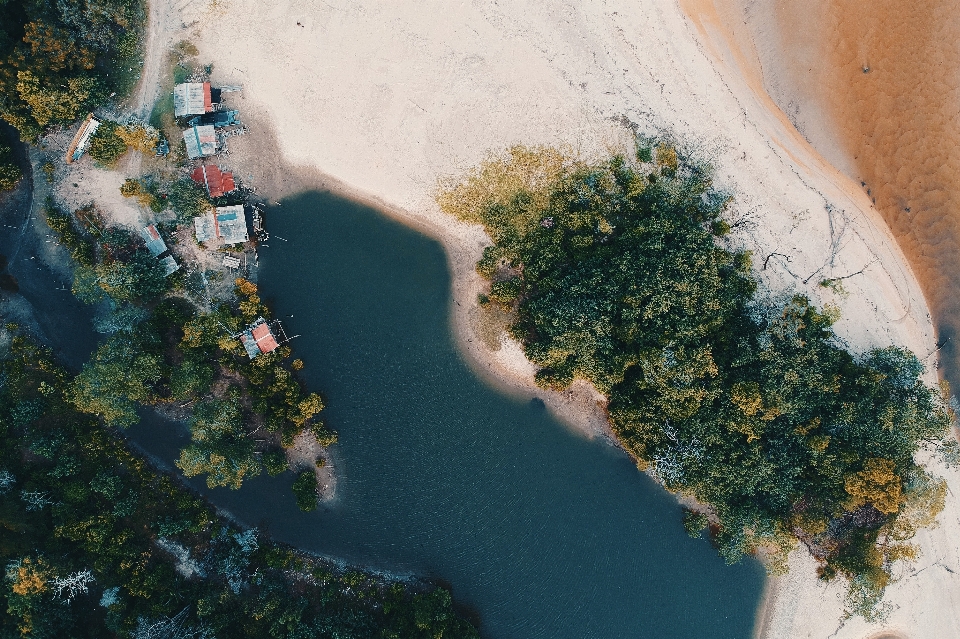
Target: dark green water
point(540, 532)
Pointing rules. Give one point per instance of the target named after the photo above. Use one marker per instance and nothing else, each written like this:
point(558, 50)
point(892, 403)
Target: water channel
point(543, 533)
point(539, 532)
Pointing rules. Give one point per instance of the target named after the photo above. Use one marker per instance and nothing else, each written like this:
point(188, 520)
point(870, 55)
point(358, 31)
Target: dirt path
point(157, 38)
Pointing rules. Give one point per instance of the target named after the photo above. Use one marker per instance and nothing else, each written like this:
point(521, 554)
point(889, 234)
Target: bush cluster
point(82, 248)
point(305, 489)
point(616, 273)
point(106, 147)
point(187, 200)
point(147, 192)
point(162, 349)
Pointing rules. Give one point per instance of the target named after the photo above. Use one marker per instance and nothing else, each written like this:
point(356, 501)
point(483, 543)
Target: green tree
point(110, 515)
point(305, 490)
point(59, 59)
point(140, 137)
point(56, 105)
point(187, 199)
point(106, 147)
point(118, 377)
point(275, 462)
point(30, 600)
point(219, 446)
point(81, 248)
point(138, 279)
point(613, 273)
point(145, 193)
point(192, 378)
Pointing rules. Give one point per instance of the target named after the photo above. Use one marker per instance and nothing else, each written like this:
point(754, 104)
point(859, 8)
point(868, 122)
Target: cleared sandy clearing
point(385, 98)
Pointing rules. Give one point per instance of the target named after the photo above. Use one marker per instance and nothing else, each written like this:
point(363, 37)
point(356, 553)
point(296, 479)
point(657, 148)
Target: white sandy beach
point(382, 99)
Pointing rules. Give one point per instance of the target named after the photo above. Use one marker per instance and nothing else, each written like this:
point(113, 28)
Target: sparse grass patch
point(146, 192)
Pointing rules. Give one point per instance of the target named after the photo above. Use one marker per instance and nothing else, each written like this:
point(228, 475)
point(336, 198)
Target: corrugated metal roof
point(258, 338)
point(169, 265)
point(226, 182)
point(205, 227)
point(201, 141)
point(227, 223)
point(192, 98)
point(232, 224)
point(216, 182)
point(249, 344)
point(262, 337)
point(154, 242)
point(267, 343)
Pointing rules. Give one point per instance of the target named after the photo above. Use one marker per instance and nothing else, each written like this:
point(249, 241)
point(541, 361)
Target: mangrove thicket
point(619, 272)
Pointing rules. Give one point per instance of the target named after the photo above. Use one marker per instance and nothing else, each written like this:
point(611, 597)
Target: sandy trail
point(381, 99)
point(155, 43)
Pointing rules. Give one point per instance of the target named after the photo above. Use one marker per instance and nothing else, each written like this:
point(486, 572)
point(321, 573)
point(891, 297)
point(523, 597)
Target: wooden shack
point(192, 98)
point(216, 182)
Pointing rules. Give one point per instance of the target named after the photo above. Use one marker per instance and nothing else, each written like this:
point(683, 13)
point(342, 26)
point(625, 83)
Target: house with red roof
point(258, 338)
point(216, 182)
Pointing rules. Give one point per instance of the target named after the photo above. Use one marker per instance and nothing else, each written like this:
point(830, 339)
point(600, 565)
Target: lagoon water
point(540, 532)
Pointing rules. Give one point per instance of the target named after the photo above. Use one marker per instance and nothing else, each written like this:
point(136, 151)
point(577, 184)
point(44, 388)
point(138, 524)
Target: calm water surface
point(539, 531)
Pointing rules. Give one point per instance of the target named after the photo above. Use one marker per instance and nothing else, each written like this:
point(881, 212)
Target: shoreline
point(506, 369)
point(877, 98)
point(737, 42)
point(782, 187)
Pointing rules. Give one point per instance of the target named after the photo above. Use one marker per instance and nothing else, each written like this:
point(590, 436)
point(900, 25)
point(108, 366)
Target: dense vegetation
point(59, 59)
point(10, 172)
point(97, 544)
point(112, 140)
point(162, 349)
point(617, 273)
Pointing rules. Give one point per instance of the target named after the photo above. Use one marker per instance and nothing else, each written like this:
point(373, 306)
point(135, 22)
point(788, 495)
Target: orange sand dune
point(875, 87)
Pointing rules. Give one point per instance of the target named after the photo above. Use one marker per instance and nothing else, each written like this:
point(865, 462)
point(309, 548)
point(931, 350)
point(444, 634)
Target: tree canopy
point(162, 348)
point(124, 271)
point(617, 273)
point(10, 172)
point(219, 447)
point(119, 376)
point(56, 58)
point(97, 543)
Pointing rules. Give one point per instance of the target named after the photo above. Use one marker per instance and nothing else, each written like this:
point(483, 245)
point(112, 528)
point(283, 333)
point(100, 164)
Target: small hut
point(201, 141)
point(158, 249)
point(216, 182)
point(192, 98)
point(226, 223)
point(154, 242)
point(259, 337)
point(169, 265)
